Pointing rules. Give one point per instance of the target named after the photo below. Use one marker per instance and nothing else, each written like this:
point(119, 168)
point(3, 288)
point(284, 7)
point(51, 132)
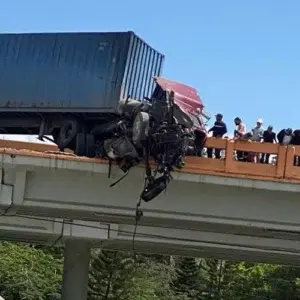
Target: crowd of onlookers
point(256, 134)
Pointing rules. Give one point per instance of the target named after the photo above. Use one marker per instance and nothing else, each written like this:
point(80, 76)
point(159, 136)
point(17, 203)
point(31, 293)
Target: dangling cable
point(109, 167)
point(120, 179)
point(61, 234)
point(138, 210)
point(138, 216)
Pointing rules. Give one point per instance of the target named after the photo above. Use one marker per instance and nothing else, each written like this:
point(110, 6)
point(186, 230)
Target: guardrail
point(20, 145)
point(284, 168)
point(229, 166)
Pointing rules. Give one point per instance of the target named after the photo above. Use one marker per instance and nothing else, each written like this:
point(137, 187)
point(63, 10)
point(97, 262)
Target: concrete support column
point(76, 270)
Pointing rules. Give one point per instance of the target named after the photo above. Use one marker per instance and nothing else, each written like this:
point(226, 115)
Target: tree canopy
point(28, 273)
point(35, 273)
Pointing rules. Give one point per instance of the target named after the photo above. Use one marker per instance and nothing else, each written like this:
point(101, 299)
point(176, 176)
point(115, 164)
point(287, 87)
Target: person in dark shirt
point(285, 136)
point(218, 130)
point(296, 141)
point(296, 137)
point(268, 137)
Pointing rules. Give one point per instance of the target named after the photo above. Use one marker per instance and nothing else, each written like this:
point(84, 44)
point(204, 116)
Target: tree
point(35, 273)
point(153, 278)
point(283, 283)
point(210, 278)
point(28, 273)
point(109, 273)
point(117, 275)
point(55, 251)
point(187, 278)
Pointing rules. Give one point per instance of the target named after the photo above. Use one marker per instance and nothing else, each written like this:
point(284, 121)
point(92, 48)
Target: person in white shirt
point(257, 131)
point(240, 129)
point(239, 132)
point(256, 136)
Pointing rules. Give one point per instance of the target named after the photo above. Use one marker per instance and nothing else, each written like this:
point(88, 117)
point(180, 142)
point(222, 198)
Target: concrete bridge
point(213, 208)
point(45, 184)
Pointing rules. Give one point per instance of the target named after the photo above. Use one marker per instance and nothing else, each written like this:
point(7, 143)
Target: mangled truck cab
point(100, 95)
point(165, 128)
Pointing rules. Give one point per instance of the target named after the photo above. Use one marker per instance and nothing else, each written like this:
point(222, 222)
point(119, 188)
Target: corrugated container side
point(143, 63)
point(63, 70)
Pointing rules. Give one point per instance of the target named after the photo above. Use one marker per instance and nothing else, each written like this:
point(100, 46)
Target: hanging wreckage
point(101, 95)
point(166, 127)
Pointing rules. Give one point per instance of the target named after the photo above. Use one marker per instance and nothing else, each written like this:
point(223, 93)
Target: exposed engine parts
point(162, 129)
point(154, 130)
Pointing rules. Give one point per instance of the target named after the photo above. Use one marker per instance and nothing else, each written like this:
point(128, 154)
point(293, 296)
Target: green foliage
point(110, 271)
point(152, 280)
point(117, 276)
point(187, 281)
point(283, 283)
point(57, 252)
point(35, 273)
point(27, 273)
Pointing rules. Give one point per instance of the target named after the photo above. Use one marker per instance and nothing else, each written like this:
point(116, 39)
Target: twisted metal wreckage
point(76, 93)
point(165, 129)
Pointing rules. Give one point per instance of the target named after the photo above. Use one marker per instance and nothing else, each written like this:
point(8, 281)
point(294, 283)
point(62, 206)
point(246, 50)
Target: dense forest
point(35, 273)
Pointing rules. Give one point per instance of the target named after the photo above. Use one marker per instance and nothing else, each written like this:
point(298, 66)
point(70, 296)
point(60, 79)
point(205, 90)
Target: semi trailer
point(100, 94)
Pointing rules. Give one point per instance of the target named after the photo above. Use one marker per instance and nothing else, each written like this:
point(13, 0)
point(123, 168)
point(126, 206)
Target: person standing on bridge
point(296, 141)
point(285, 136)
point(268, 137)
point(218, 130)
point(256, 136)
point(239, 132)
point(257, 131)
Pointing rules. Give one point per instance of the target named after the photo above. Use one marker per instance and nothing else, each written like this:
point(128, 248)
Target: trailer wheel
point(67, 133)
point(80, 147)
point(140, 128)
point(90, 149)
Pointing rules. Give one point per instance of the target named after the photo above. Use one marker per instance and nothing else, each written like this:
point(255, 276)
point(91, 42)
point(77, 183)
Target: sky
point(242, 56)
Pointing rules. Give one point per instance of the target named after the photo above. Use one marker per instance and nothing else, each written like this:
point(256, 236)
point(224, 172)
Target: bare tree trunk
point(109, 281)
point(219, 280)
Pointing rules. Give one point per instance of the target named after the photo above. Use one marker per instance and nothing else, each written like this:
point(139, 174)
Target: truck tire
point(140, 129)
point(67, 133)
point(90, 147)
point(80, 147)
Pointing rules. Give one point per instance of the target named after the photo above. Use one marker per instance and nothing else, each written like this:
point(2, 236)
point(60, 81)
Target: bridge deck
point(209, 195)
point(284, 171)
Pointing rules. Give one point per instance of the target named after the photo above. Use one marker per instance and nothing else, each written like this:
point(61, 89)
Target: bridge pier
point(76, 270)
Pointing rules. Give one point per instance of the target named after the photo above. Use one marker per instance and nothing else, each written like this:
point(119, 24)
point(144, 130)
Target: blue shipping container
point(75, 71)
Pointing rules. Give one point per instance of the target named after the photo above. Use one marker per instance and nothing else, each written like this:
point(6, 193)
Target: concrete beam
point(152, 240)
point(79, 189)
point(48, 230)
point(188, 237)
point(209, 251)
